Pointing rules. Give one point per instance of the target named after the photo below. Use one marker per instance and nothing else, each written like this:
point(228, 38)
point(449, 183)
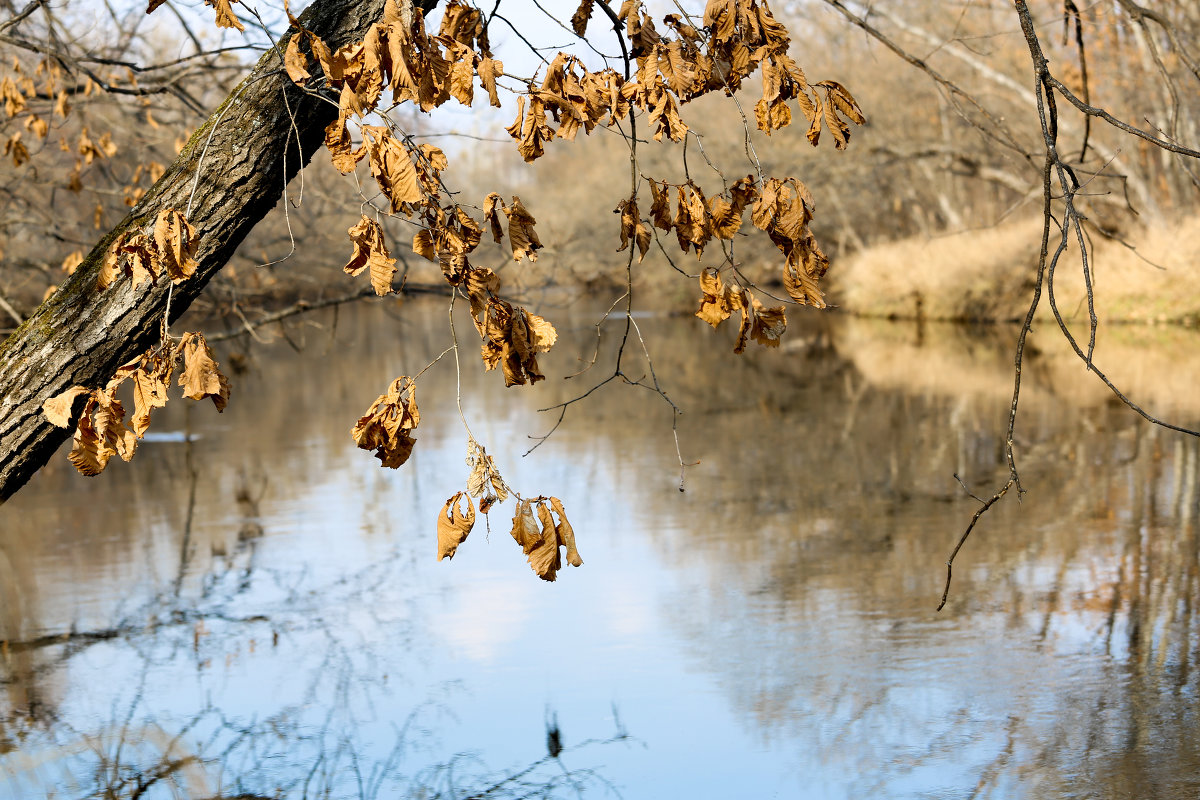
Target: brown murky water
point(252, 607)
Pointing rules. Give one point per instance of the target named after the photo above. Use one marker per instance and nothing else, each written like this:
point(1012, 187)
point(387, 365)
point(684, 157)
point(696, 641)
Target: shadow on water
point(251, 608)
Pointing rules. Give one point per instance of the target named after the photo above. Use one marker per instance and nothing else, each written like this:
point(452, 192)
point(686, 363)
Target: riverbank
point(988, 276)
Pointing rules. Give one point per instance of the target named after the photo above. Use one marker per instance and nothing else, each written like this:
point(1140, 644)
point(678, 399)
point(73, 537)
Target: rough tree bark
point(233, 171)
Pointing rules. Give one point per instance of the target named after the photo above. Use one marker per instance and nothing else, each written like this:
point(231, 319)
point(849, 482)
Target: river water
point(252, 607)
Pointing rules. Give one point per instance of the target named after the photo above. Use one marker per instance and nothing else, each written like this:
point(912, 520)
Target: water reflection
point(252, 596)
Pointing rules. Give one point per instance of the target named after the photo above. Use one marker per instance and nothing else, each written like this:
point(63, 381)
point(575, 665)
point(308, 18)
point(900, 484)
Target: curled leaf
point(370, 251)
point(58, 408)
point(453, 526)
point(485, 480)
point(566, 534)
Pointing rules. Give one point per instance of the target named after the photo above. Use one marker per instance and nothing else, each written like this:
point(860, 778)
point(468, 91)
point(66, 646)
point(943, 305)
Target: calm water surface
point(252, 608)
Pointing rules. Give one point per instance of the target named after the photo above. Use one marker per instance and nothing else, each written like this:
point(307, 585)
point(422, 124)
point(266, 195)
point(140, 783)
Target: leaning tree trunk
point(236, 165)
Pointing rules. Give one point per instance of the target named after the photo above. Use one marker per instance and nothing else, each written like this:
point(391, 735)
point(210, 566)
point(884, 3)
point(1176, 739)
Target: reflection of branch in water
point(305, 306)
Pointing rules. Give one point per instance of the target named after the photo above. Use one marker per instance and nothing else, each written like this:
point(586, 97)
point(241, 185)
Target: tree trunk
point(231, 173)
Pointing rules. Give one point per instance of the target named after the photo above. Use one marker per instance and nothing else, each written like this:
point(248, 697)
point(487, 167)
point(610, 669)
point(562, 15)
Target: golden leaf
point(693, 226)
point(101, 434)
point(14, 100)
point(802, 287)
point(726, 221)
point(371, 251)
point(665, 119)
point(677, 68)
point(544, 557)
point(482, 285)
point(110, 268)
point(629, 218)
point(201, 376)
point(542, 335)
point(512, 338)
point(838, 99)
point(17, 149)
point(38, 125)
point(58, 408)
point(386, 427)
point(453, 526)
point(525, 528)
point(740, 299)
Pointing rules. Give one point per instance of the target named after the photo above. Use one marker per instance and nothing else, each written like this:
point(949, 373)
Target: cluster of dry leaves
point(39, 99)
point(673, 67)
point(21, 86)
point(102, 431)
point(169, 249)
point(398, 53)
point(533, 528)
point(387, 428)
point(736, 38)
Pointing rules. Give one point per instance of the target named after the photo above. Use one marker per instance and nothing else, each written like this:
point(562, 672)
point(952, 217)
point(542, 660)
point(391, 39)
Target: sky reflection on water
point(770, 632)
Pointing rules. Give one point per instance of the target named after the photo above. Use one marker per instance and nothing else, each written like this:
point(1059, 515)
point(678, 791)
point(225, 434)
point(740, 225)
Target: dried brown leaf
point(423, 245)
point(295, 62)
point(566, 534)
point(660, 209)
point(342, 152)
point(392, 167)
point(387, 426)
point(488, 71)
point(201, 376)
point(579, 19)
point(174, 245)
point(714, 302)
point(521, 236)
point(453, 526)
point(490, 215)
point(370, 251)
point(225, 15)
point(769, 324)
point(58, 408)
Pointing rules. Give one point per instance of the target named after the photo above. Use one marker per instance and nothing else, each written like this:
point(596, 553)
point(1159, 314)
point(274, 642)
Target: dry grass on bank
point(1155, 366)
point(987, 275)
